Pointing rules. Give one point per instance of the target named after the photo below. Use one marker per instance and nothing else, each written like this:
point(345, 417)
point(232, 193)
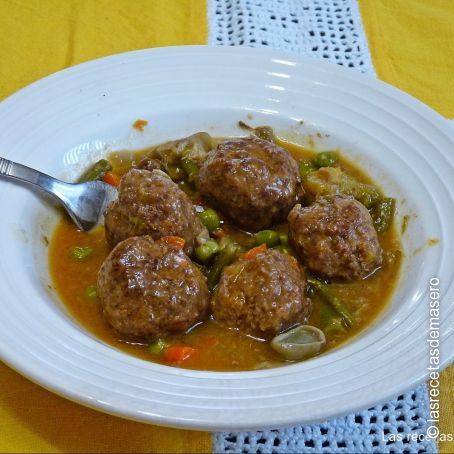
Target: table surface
point(412, 45)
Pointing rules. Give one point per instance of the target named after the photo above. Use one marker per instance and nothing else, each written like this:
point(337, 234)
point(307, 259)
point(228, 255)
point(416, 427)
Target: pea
point(306, 167)
point(325, 159)
point(210, 219)
point(80, 253)
point(91, 293)
point(283, 239)
point(269, 237)
point(157, 346)
point(206, 251)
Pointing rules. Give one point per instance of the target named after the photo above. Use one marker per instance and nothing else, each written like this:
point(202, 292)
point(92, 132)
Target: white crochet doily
point(329, 29)
point(393, 427)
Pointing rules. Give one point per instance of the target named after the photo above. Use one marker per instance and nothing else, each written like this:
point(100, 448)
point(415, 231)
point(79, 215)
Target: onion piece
point(302, 342)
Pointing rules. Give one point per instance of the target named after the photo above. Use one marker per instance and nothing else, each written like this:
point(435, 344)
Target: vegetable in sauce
point(175, 241)
point(331, 299)
point(262, 132)
point(305, 168)
point(96, 171)
point(210, 219)
point(176, 354)
point(91, 293)
point(111, 178)
point(269, 237)
point(383, 214)
point(158, 346)
point(331, 321)
point(206, 251)
point(325, 159)
point(191, 169)
point(299, 343)
point(81, 253)
point(332, 180)
point(224, 258)
point(252, 253)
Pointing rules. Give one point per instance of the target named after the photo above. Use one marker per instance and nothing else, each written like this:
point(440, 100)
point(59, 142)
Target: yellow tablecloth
point(412, 44)
point(39, 37)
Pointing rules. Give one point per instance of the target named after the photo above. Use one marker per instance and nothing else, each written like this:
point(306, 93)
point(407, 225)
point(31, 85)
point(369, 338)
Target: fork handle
point(19, 172)
point(13, 170)
point(5, 167)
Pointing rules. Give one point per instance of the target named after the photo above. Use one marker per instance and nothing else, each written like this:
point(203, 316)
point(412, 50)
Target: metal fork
point(84, 202)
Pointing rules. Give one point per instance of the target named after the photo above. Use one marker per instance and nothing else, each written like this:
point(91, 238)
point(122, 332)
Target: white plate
point(82, 111)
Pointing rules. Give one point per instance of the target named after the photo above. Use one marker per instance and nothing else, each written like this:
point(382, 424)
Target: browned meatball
point(253, 181)
point(150, 203)
point(262, 296)
point(335, 237)
point(149, 289)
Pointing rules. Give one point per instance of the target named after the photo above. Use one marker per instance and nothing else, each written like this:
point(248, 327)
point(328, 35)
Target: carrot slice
point(140, 125)
point(176, 354)
point(111, 178)
point(176, 241)
point(252, 253)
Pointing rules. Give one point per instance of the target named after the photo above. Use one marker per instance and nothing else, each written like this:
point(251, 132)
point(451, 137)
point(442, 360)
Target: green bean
point(210, 219)
point(157, 346)
point(325, 159)
point(191, 169)
point(96, 171)
point(283, 239)
point(325, 292)
point(383, 214)
point(80, 253)
point(306, 167)
point(224, 258)
point(206, 251)
point(367, 194)
point(330, 320)
point(269, 237)
point(262, 132)
point(265, 133)
point(91, 292)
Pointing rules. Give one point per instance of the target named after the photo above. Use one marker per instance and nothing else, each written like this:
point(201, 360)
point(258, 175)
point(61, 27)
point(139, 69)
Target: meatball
point(150, 203)
point(149, 289)
point(335, 237)
point(253, 181)
point(262, 296)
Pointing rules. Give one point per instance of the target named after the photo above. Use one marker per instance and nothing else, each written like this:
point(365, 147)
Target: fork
point(84, 202)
